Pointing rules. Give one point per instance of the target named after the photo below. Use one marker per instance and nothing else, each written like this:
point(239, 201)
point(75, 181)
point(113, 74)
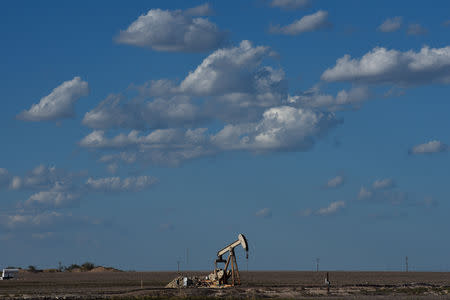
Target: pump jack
point(224, 274)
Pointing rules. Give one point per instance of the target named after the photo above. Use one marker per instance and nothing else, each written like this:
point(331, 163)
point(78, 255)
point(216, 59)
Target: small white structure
point(9, 274)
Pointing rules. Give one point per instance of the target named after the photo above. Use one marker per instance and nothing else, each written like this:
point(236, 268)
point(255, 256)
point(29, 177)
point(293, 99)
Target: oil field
point(225, 281)
point(255, 285)
point(224, 149)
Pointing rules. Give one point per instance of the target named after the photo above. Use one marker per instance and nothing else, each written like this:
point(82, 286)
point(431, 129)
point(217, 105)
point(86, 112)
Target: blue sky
point(134, 131)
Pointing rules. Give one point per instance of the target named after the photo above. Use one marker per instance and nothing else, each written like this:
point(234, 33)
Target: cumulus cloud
point(281, 128)
point(59, 103)
point(335, 182)
point(236, 89)
point(265, 213)
point(331, 209)
point(164, 146)
point(314, 22)
point(116, 112)
point(364, 193)
point(433, 146)
point(116, 184)
point(391, 24)
point(382, 66)
point(314, 98)
point(42, 177)
point(158, 139)
point(42, 222)
point(226, 70)
point(58, 196)
point(175, 31)
point(239, 87)
point(16, 183)
point(201, 10)
point(232, 83)
point(15, 221)
point(383, 184)
point(416, 29)
point(290, 4)
point(383, 190)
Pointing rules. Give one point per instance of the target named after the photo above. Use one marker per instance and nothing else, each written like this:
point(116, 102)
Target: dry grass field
point(255, 285)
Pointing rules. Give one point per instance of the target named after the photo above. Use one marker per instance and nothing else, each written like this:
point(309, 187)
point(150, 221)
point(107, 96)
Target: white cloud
point(382, 190)
point(316, 21)
point(157, 139)
point(416, 29)
point(41, 223)
point(331, 209)
point(264, 213)
point(16, 183)
point(233, 85)
point(225, 71)
point(282, 128)
point(115, 112)
point(116, 184)
point(382, 66)
point(17, 221)
point(290, 4)
point(434, 146)
point(382, 184)
point(335, 182)
point(236, 90)
point(391, 24)
point(314, 98)
point(42, 177)
point(201, 10)
point(163, 146)
point(176, 31)
point(364, 193)
point(57, 196)
point(59, 103)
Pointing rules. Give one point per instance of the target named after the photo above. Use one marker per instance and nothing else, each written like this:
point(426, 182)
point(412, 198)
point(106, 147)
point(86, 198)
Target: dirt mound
point(103, 269)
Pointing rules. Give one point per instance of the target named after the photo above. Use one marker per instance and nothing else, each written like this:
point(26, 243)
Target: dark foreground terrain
point(255, 285)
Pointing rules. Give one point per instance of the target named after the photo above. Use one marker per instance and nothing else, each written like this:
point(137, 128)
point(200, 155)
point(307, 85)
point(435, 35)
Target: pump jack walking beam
point(235, 278)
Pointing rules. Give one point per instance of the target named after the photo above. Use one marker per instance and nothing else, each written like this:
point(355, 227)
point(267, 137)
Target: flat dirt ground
point(255, 285)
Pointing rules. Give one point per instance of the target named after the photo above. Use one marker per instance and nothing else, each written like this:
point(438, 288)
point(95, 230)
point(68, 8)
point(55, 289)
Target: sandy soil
point(255, 285)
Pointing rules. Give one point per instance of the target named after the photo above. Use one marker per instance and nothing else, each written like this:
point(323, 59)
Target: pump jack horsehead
point(224, 275)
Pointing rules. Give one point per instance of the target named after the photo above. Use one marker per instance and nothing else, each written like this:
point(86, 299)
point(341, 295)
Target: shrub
point(72, 267)
point(32, 269)
point(87, 266)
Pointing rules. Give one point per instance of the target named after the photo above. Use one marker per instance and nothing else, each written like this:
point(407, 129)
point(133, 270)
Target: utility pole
point(187, 258)
point(178, 266)
point(406, 264)
point(317, 264)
